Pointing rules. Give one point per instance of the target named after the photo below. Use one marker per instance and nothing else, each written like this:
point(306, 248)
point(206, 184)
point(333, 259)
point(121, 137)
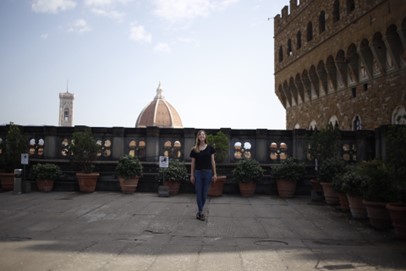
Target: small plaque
point(163, 161)
point(24, 159)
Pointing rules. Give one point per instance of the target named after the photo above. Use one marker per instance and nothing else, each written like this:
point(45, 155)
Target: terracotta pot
point(330, 196)
point(316, 186)
point(173, 187)
point(7, 181)
point(357, 208)
point(247, 189)
point(378, 214)
point(216, 189)
point(286, 188)
point(87, 181)
point(397, 213)
point(128, 186)
point(45, 185)
point(343, 200)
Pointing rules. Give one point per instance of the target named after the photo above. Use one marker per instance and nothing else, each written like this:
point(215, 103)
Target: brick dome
point(159, 113)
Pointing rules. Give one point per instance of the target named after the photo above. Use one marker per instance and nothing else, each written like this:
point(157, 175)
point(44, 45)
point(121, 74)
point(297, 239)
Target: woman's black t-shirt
point(203, 158)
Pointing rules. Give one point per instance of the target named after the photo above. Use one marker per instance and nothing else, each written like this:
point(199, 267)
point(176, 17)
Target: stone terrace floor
point(114, 231)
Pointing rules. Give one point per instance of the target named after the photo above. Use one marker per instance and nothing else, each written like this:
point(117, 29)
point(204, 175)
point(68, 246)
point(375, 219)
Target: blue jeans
point(202, 183)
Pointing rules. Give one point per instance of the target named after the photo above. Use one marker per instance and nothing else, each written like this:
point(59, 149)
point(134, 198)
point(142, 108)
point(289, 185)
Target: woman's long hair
point(197, 142)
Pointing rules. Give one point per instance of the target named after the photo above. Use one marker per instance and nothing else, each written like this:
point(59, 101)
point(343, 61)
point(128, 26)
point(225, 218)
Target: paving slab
point(114, 231)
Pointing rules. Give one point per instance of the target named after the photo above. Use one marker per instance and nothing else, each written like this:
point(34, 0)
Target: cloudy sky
point(214, 59)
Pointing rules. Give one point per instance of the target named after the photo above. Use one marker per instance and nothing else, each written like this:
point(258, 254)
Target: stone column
point(299, 144)
point(51, 146)
point(118, 142)
point(261, 149)
point(189, 142)
point(152, 144)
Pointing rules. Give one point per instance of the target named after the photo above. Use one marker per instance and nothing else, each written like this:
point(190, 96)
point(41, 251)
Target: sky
point(214, 60)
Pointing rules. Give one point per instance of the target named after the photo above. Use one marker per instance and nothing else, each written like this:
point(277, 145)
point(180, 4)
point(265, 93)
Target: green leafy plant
point(248, 170)
point(324, 144)
point(14, 145)
point(129, 167)
point(396, 156)
point(221, 144)
point(330, 168)
point(84, 150)
point(378, 185)
point(353, 183)
point(47, 171)
point(289, 169)
point(175, 172)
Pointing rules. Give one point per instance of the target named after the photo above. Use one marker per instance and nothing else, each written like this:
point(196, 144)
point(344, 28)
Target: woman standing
point(203, 170)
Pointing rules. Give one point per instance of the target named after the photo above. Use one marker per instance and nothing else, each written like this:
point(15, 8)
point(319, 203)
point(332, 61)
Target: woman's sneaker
point(200, 216)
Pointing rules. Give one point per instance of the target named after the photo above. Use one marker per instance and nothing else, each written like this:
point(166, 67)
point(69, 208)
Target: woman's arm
point(192, 171)
point(213, 165)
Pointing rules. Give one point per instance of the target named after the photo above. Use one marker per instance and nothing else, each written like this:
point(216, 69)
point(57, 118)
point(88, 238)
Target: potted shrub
point(396, 161)
point(129, 170)
point(84, 151)
point(378, 191)
point(353, 185)
point(247, 173)
point(287, 174)
point(337, 186)
point(45, 175)
point(221, 144)
point(322, 144)
point(173, 175)
point(14, 145)
point(329, 169)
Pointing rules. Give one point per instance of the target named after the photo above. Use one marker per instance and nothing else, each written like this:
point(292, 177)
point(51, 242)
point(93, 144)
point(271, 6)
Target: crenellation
point(285, 13)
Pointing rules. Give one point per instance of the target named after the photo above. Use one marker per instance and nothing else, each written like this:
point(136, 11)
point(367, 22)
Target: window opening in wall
point(289, 47)
point(336, 11)
point(280, 54)
point(354, 92)
point(322, 22)
point(278, 151)
point(365, 87)
point(298, 40)
point(350, 6)
point(242, 150)
point(309, 31)
point(356, 124)
point(66, 114)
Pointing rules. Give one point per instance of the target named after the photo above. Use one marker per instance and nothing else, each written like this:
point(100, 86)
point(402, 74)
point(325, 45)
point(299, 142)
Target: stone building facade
point(341, 62)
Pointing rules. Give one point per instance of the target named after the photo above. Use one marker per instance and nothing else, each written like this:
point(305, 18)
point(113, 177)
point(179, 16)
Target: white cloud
point(52, 6)
point(44, 36)
point(80, 26)
point(107, 8)
point(112, 14)
point(104, 3)
point(139, 34)
point(162, 48)
point(184, 10)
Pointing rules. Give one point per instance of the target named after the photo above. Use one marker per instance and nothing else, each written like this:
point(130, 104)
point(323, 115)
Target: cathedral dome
point(159, 113)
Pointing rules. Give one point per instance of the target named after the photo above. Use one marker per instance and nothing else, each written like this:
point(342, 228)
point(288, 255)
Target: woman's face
point(201, 136)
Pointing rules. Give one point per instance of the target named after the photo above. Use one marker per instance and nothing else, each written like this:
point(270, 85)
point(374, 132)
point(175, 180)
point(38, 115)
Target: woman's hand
point(214, 178)
point(192, 179)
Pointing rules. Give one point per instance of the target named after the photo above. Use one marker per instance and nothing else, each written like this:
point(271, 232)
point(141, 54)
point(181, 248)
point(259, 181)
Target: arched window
point(336, 11)
point(350, 6)
point(298, 40)
point(322, 22)
point(289, 51)
point(280, 54)
point(66, 114)
point(309, 31)
point(356, 124)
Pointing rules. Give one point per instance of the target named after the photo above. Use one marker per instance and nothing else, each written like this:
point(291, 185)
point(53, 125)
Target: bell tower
point(66, 108)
